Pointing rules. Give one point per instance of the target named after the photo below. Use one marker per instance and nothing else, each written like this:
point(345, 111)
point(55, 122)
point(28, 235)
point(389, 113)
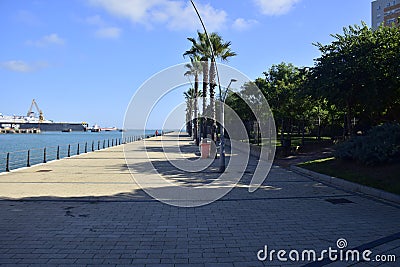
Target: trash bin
point(205, 150)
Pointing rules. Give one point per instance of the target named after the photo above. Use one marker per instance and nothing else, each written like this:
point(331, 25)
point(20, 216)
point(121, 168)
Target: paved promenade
point(87, 210)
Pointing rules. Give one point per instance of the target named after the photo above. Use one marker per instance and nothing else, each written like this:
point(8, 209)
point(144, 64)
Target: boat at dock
point(32, 121)
point(95, 129)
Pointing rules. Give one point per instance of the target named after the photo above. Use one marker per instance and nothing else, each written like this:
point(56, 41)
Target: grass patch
point(295, 140)
point(385, 177)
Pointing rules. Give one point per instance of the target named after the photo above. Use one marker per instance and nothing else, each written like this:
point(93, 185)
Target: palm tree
point(221, 51)
point(200, 47)
point(194, 69)
point(189, 109)
point(190, 96)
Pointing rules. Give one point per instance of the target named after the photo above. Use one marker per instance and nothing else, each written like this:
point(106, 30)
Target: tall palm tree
point(189, 109)
point(190, 96)
point(200, 47)
point(194, 69)
point(223, 52)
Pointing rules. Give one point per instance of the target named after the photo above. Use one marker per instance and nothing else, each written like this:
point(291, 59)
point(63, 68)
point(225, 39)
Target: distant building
point(386, 12)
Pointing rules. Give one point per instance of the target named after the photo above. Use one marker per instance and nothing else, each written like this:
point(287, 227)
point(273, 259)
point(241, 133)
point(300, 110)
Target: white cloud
point(22, 66)
point(95, 20)
point(176, 15)
point(108, 32)
point(275, 7)
point(51, 39)
point(103, 28)
point(28, 18)
point(241, 24)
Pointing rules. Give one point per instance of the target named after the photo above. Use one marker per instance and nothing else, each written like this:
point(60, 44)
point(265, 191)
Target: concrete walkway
point(87, 210)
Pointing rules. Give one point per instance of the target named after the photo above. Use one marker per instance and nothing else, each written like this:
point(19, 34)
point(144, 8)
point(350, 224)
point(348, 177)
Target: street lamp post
point(222, 131)
point(222, 145)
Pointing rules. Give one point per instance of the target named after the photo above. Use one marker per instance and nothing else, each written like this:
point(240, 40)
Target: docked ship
point(31, 121)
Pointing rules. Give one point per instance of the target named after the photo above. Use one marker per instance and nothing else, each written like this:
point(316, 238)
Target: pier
point(19, 131)
point(87, 209)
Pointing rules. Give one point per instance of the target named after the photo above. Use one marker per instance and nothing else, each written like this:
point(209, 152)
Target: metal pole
point(85, 147)
point(8, 162)
point(77, 150)
point(44, 155)
point(222, 138)
point(222, 131)
point(213, 62)
point(69, 151)
point(58, 152)
point(28, 164)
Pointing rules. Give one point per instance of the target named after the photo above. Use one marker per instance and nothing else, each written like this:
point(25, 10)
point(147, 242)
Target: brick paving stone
point(131, 229)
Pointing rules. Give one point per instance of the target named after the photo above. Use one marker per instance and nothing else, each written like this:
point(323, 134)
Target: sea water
point(17, 145)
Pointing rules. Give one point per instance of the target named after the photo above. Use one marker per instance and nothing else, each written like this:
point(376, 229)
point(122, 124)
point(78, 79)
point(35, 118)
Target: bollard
point(108, 143)
point(119, 141)
point(98, 145)
point(77, 150)
point(86, 147)
point(58, 152)
point(69, 151)
point(104, 143)
point(44, 155)
point(112, 142)
point(8, 162)
point(92, 146)
point(28, 159)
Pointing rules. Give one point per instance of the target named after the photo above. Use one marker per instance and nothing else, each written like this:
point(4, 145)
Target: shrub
point(380, 145)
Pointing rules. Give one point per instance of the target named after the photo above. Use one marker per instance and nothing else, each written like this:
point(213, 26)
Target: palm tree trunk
point(196, 93)
point(205, 83)
point(212, 98)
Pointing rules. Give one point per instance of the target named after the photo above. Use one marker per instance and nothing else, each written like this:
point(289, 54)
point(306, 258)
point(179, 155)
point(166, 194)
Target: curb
point(346, 185)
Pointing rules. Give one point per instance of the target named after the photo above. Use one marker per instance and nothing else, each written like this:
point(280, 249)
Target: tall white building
point(386, 12)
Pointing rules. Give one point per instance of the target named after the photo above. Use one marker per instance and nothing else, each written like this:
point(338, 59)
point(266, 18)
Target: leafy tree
point(359, 74)
point(282, 87)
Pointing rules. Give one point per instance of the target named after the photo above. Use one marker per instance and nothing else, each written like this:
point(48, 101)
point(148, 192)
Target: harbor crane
point(31, 113)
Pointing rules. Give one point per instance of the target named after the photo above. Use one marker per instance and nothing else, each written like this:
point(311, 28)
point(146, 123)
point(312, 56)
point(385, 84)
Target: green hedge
point(380, 145)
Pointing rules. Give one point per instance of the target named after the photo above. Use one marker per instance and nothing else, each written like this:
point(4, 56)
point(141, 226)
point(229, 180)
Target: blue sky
point(82, 60)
